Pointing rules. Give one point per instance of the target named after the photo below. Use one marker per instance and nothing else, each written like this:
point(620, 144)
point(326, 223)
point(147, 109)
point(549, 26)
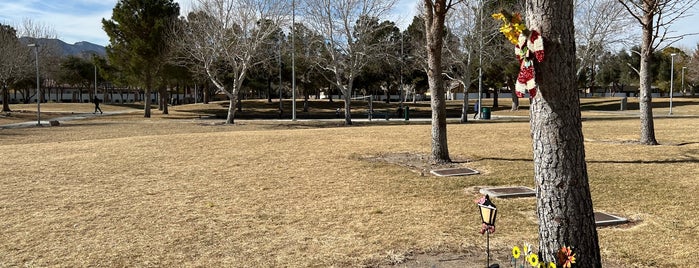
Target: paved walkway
point(602, 114)
point(72, 117)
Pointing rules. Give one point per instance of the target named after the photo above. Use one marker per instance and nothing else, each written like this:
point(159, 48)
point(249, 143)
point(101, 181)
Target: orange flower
point(516, 18)
point(566, 257)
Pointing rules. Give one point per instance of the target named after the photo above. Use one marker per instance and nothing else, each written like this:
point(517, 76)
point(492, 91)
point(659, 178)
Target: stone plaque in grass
point(509, 192)
point(605, 219)
point(453, 172)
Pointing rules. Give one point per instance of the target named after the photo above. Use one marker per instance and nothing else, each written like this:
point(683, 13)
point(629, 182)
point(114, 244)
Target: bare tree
point(13, 61)
point(692, 72)
point(435, 13)
point(600, 25)
point(470, 44)
point(655, 17)
point(564, 204)
point(48, 52)
point(349, 45)
point(224, 37)
point(462, 25)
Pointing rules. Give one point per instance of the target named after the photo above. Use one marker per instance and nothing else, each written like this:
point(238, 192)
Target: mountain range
point(81, 49)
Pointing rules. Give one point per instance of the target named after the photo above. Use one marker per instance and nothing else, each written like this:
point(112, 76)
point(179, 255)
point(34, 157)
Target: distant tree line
point(361, 53)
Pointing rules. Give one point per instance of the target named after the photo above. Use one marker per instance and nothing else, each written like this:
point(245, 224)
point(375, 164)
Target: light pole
point(672, 80)
point(38, 90)
point(293, 61)
point(480, 61)
point(684, 93)
point(279, 55)
point(400, 92)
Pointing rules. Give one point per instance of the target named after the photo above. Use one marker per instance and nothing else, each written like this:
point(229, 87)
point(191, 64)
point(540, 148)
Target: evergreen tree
point(138, 39)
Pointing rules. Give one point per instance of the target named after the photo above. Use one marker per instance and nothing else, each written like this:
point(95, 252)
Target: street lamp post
point(400, 92)
point(672, 80)
point(480, 61)
point(293, 61)
point(684, 93)
point(38, 89)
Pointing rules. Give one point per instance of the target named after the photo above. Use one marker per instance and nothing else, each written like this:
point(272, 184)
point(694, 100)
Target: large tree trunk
point(231, 109)
point(146, 106)
point(646, 100)
point(434, 30)
point(5, 99)
point(564, 204)
point(465, 82)
point(348, 110)
point(464, 109)
point(164, 100)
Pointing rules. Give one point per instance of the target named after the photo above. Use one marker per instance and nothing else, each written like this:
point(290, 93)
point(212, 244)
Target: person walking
point(475, 109)
point(97, 101)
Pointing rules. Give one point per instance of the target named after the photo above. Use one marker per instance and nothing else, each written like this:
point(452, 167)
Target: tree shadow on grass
point(690, 159)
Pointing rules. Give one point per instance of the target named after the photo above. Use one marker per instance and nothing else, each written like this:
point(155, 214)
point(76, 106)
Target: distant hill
point(81, 49)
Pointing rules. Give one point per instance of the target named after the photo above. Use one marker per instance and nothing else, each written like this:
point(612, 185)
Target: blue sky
point(80, 20)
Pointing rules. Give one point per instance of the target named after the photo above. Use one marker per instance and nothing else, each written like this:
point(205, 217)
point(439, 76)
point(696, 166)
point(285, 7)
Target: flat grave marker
point(606, 219)
point(448, 172)
point(509, 192)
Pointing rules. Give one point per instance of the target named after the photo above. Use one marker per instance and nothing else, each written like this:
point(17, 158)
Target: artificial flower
point(566, 257)
point(516, 18)
point(552, 265)
point(534, 260)
point(487, 228)
point(516, 252)
point(512, 25)
point(527, 249)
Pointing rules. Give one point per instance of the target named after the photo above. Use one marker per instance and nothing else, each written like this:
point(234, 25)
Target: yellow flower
point(512, 25)
point(534, 260)
point(515, 252)
point(505, 29)
point(552, 265)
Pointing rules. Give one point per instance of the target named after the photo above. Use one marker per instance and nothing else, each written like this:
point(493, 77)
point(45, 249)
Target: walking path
point(595, 115)
point(72, 117)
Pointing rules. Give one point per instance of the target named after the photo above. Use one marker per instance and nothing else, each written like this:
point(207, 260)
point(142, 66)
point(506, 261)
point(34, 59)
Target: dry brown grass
point(128, 191)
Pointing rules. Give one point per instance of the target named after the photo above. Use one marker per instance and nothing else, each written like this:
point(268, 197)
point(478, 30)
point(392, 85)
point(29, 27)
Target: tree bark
point(464, 108)
point(164, 100)
point(231, 109)
point(5, 99)
point(348, 110)
point(564, 204)
point(646, 99)
point(147, 97)
point(435, 14)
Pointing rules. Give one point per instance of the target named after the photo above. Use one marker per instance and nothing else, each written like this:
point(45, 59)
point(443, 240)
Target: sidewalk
point(46, 122)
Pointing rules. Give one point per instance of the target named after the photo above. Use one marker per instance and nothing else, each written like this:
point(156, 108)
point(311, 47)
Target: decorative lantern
point(488, 211)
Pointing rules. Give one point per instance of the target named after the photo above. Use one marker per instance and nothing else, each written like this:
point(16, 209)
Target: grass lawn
point(177, 190)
